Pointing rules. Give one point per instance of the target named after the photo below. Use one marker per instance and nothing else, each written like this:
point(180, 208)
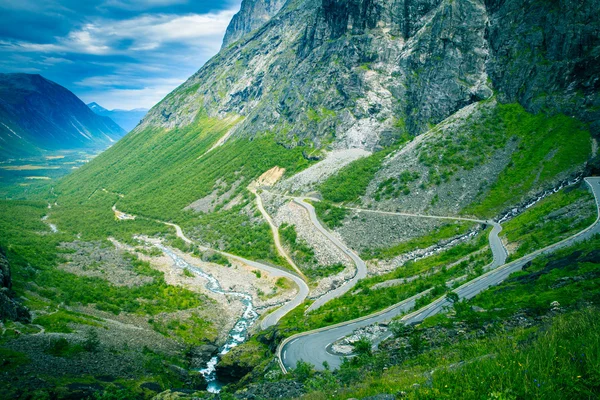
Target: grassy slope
point(351, 182)
point(160, 172)
point(363, 300)
point(34, 255)
point(52, 294)
point(554, 360)
point(551, 220)
point(547, 148)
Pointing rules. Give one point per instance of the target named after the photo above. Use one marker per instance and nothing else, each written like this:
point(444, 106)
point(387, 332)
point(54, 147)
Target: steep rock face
point(37, 115)
point(546, 55)
point(10, 309)
point(332, 74)
point(358, 73)
point(353, 74)
point(252, 15)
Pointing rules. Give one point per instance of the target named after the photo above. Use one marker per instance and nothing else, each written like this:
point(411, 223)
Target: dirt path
point(275, 231)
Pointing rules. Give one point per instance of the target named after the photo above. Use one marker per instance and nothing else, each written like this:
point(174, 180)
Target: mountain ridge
point(38, 115)
point(126, 119)
point(381, 73)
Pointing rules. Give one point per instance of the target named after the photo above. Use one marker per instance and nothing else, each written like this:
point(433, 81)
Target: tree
point(453, 298)
point(91, 342)
point(303, 371)
point(363, 347)
point(400, 329)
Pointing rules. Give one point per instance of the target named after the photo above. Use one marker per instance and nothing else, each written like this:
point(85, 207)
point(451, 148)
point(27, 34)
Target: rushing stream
point(53, 227)
point(237, 335)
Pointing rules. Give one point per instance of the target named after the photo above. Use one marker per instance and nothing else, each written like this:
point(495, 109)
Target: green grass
point(543, 148)
point(557, 363)
point(323, 271)
point(444, 232)
point(330, 214)
point(351, 181)
point(546, 280)
point(61, 347)
point(300, 251)
point(363, 300)
point(10, 359)
point(558, 357)
point(59, 321)
point(162, 172)
point(235, 232)
point(34, 255)
point(192, 331)
point(570, 210)
point(546, 147)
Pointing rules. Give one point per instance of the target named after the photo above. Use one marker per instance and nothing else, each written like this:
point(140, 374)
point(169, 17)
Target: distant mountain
point(127, 119)
point(38, 115)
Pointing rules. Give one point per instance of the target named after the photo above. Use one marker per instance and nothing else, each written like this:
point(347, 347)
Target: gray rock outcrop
point(252, 15)
point(10, 308)
point(360, 73)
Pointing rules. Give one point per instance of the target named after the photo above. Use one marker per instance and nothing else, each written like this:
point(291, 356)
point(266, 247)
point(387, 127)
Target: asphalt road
point(499, 252)
point(313, 346)
point(361, 267)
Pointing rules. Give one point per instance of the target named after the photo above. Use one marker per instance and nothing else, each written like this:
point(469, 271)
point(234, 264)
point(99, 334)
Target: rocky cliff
point(10, 309)
point(38, 115)
point(252, 15)
point(358, 73)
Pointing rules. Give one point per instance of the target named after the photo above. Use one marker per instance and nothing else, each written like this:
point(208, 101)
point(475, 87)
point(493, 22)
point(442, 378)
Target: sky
point(121, 54)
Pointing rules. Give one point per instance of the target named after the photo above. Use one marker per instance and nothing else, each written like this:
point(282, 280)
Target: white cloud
point(128, 63)
point(128, 99)
point(143, 33)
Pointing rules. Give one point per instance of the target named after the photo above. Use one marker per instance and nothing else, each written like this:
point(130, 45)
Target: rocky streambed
point(237, 335)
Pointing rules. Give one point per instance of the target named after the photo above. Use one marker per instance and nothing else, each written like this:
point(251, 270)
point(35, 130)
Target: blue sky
point(119, 53)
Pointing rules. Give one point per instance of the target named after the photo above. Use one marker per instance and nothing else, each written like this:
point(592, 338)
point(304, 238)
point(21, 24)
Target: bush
point(363, 347)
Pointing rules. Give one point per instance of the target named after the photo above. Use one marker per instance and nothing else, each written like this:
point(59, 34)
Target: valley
point(23, 175)
point(356, 199)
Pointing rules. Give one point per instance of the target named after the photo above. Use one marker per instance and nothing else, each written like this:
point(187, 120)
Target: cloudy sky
point(119, 53)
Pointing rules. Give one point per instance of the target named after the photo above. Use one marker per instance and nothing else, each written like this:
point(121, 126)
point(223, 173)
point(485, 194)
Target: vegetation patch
point(429, 273)
point(533, 336)
point(351, 181)
point(546, 148)
point(300, 251)
point(444, 232)
point(323, 271)
point(330, 214)
point(551, 220)
point(60, 320)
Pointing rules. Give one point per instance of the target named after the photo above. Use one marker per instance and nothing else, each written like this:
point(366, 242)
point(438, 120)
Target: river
point(237, 335)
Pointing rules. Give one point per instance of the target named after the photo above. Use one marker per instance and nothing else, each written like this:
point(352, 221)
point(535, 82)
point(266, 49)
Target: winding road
point(313, 346)
point(361, 267)
point(275, 232)
point(499, 252)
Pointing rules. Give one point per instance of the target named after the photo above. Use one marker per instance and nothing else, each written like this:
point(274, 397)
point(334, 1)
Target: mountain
point(38, 115)
point(127, 119)
point(252, 15)
point(416, 165)
point(322, 75)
